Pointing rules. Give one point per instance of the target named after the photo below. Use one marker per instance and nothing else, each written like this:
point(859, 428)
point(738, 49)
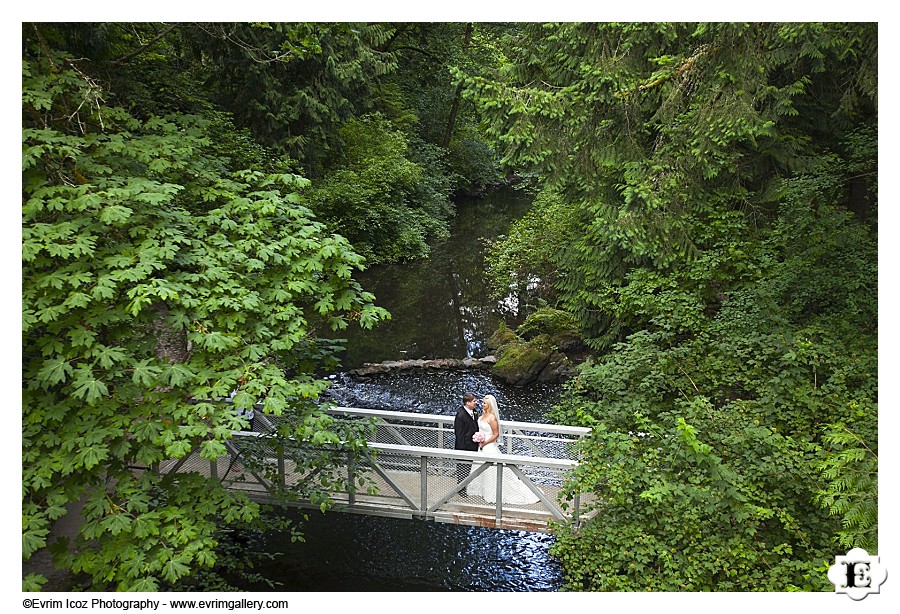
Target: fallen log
point(376, 368)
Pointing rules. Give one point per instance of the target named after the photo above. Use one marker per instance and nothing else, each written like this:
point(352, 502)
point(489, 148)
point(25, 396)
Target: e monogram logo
point(857, 574)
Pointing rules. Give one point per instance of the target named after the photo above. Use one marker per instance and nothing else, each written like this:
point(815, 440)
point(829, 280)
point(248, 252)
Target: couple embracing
point(482, 433)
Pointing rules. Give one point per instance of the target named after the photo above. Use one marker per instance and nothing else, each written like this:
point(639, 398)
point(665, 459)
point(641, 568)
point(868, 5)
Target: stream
point(440, 309)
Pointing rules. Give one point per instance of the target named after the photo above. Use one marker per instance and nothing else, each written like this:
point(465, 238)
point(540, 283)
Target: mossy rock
point(522, 362)
point(557, 369)
point(560, 326)
point(502, 337)
point(537, 355)
point(547, 320)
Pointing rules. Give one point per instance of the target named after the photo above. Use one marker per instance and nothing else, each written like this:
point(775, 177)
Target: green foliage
point(294, 84)
point(387, 198)
point(712, 187)
point(651, 133)
point(717, 507)
point(526, 261)
point(474, 167)
point(707, 448)
point(852, 473)
point(423, 96)
point(149, 532)
point(304, 88)
point(423, 82)
point(156, 273)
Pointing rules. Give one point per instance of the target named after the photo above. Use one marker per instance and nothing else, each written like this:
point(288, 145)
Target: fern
point(851, 492)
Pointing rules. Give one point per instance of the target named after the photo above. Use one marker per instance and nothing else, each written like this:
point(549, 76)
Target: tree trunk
point(451, 121)
point(171, 345)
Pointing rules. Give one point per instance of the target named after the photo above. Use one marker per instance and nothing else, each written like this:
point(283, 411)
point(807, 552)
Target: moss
point(560, 326)
point(502, 337)
point(521, 362)
point(550, 321)
point(534, 351)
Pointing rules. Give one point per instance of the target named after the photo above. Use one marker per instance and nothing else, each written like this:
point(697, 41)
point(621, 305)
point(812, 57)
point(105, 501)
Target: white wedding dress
point(485, 485)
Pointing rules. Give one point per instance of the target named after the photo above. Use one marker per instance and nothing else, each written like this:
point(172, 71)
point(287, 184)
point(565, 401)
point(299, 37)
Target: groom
point(464, 426)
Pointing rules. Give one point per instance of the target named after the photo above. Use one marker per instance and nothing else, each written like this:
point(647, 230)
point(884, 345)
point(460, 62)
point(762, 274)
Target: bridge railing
point(436, 431)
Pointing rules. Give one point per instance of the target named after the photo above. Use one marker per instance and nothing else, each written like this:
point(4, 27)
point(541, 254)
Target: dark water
point(349, 552)
point(440, 309)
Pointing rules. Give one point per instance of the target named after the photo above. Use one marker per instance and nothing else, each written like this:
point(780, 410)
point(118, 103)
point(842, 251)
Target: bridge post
point(351, 472)
point(498, 508)
point(281, 478)
point(423, 482)
point(577, 510)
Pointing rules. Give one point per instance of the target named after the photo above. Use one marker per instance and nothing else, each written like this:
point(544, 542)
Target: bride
point(485, 485)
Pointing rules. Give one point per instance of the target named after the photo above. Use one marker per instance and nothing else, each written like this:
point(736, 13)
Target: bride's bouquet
point(478, 437)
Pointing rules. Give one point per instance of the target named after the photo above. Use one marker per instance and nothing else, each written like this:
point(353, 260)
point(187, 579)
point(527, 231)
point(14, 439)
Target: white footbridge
point(410, 470)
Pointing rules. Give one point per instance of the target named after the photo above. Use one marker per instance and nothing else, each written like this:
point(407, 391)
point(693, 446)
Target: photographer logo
point(857, 574)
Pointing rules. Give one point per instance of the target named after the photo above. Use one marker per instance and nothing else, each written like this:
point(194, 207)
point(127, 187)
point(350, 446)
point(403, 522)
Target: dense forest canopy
point(198, 197)
point(710, 191)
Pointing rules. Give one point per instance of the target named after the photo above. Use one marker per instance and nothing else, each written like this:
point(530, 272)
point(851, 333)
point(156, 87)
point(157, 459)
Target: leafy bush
point(723, 506)
point(526, 260)
point(722, 455)
point(473, 166)
point(386, 203)
point(155, 277)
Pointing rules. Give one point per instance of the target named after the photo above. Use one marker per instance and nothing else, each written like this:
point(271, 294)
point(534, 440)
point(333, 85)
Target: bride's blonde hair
point(490, 405)
point(489, 402)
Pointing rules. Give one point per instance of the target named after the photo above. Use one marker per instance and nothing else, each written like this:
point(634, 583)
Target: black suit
point(464, 426)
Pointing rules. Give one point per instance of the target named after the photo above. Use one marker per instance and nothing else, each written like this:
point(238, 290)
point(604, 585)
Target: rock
point(557, 369)
point(370, 369)
point(502, 337)
point(522, 362)
point(438, 364)
point(543, 348)
point(443, 363)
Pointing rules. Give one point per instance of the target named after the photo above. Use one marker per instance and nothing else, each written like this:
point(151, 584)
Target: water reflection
point(440, 307)
point(350, 552)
